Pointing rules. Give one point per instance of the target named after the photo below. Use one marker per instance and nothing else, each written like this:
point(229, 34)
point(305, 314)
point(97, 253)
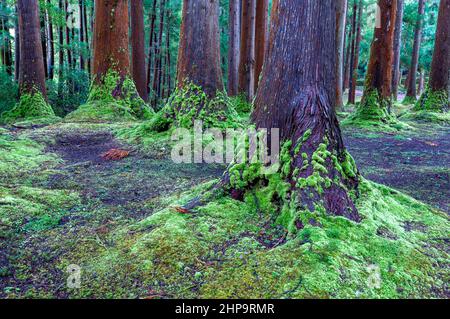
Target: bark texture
point(412, 76)
point(261, 35)
point(355, 57)
point(396, 74)
point(110, 39)
point(199, 51)
point(138, 48)
point(32, 73)
point(234, 46)
point(297, 94)
point(341, 14)
point(247, 60)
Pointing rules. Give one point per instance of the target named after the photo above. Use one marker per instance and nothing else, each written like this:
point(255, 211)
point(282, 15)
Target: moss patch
point(433, 101)
point(115, 99)
point(31, 108)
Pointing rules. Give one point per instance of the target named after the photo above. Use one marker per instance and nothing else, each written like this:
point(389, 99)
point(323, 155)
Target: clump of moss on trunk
point(32, 107)
point(436, 101)
point(115, 98)
point(190, 103)
point(373, 114)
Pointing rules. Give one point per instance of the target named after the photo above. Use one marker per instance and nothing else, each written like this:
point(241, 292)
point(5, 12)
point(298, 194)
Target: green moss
point(409, 100)
point(428, 116)
point(433, 101)
point(31, 107)
point(372, 114)
point(114, 99)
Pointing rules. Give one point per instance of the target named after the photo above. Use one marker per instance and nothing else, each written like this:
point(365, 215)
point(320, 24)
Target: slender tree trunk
point(138, 48)
point(61, 45)
point(157, 85)
point(355, 61)
point(247, 59)
point(50, 46)
point(6, 46)
point(437, 94)
point(341, 14)
point(261, 35)
point(16, 47)
point(86, 36)
point(32, 73)
point(377, 97)
point(234, 47)
point(421, 81)
point(349, 40)
point(200, 29)
point(396, 74)
point(168, 60)
point(150, 47)
point(44, 43)
point(412, 83)
point(300, 104)
point(353, 41)
point(82, 33)
point(68, 42)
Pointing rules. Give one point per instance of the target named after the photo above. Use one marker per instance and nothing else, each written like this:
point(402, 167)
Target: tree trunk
point(341, 14)
point(200, 29)
point(353, 42)
point(50, 46)
point(6, 45)
point(412, 77)
point(355, 61)
point(261, 35)
point(421, 81)
point(157, 85)
point(68, 42)
point(150, 47)
point(349, 40)
point(300, 104)
point(17, 47)
point(437, 94)
point(234, 47)
point(396, 75)
point(32, 73)
point(82, 33)
point(377, 98)
point(168, 59)
point(138, 48)
point(44, 43)
point(247, 59)
point(61, 45)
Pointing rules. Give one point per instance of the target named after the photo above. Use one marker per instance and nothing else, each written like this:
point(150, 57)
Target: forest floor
point(73, 195)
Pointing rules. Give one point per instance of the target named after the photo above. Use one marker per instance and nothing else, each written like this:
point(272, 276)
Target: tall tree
point(397, 48)
point(411, 93)
point(341, 14)
point(300, 104)
point(234, 46)
point(50, 44)
point(138, 48)
point(157, 75)
point(352, 43)
point(150, 47)
point(16, 46)
point(61, 44)
point(437, 94)
point(355, 57)
point(376, 102)
point(81, 5)
point(6, 52)
point(247, 59)
point(200, 29)
point(32, 89)
point(68, 36)
point(261, 35)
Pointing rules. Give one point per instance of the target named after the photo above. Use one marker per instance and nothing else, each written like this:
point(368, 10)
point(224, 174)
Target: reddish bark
point(138, 48)
point(355, 60)
point(32, 73)
point(412, 76)
point(157, 76)
point(110, 39)
point(234, 46)
point(297, 102)
point(199, 50)
point(150, 47)
point(261, 35)
point(247, 59)
point(379, 72)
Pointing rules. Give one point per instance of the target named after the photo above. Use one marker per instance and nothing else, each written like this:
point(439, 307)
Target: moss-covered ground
point(61, 203)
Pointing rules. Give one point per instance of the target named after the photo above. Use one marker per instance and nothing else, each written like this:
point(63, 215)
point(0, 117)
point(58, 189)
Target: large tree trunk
point(396, 74)
point(199, 50)
point(261, 35)
point(341, 14)
point(138, 48)
point(234, 46)
point(247, 60)
point(32, 73)
point(412, 76)
point(377, 98)
point(300, 104)
point(355, 58)
point(437, 94)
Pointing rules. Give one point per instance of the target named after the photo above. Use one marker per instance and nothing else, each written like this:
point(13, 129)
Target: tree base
point(191, 103)
point(437, 101)
point(409, 100)
point(31, 107)
point(115, 99)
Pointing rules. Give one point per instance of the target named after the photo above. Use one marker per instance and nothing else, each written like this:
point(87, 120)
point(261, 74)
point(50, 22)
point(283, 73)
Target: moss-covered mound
point(190, 103)
point(32, 108)
point(428, 116)
point(233, 249)
point(372, 114)
point(433, 101)
point(114, 100)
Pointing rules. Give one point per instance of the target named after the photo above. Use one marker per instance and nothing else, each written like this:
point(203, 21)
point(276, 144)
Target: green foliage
point(31, 107)
point(433, 101)
point(9, 91)
point(115, 99)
